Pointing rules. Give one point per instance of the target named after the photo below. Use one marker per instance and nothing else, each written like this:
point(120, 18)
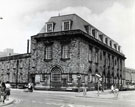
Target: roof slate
point(78, 23)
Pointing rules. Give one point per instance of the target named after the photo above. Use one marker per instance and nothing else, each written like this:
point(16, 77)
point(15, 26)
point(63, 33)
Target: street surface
point(70, 99)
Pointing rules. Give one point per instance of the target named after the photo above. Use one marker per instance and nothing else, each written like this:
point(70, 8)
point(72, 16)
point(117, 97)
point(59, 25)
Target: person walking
point(3, 92)
point(30, 87)
point(112, 88)
point(8, 87)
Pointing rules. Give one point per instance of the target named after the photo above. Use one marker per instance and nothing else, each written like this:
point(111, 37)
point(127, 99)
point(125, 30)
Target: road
point(69, 99)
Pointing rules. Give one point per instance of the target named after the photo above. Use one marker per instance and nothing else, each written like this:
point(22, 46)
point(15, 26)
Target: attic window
point(49, 27)
point(111, 43)
point(115, 46)
point(101, 37)
point(106, 40)
point(93, 32)
point(87, 28)
point(66, 25)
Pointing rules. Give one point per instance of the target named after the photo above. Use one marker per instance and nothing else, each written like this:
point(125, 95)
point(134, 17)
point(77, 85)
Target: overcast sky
point(24, 18)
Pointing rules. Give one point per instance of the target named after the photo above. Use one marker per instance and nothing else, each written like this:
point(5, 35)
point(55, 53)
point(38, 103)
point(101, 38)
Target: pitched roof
point(78, 22)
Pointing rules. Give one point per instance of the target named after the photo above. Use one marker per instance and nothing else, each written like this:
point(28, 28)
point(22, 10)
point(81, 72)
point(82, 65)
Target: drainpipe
point(17, 66)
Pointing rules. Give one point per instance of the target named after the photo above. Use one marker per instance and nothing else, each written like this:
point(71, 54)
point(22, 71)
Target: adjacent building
point(7, 52)
point(67, 52)
point(130, 75)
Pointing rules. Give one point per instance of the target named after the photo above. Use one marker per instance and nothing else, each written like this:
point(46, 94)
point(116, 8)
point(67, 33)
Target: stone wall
point(15, 68)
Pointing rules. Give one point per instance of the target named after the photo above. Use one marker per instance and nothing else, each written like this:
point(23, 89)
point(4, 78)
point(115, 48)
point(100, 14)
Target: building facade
point(130, 75)
point(69, 52)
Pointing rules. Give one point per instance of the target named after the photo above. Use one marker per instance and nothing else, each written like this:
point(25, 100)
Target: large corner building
point(66, 52)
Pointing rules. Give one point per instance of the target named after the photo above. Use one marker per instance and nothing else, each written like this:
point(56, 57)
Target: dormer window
point(101, 38)
point(87, 28)
point(115, 46)
point(106, 40)
point(66, 25)
point(119, 48)
point(111, 43)
point(49, 27)
point(93, 32)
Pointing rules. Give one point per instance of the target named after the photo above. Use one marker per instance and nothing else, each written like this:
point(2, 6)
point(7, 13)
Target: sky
point(25, 18)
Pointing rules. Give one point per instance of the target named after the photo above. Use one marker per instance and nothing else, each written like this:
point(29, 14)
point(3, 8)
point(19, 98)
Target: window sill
point(64, 59)
point(96, 63)
point(47, 60)
point(90, 61)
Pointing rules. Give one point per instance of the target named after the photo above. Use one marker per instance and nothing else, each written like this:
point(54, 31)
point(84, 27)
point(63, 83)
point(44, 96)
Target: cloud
point(22, 21)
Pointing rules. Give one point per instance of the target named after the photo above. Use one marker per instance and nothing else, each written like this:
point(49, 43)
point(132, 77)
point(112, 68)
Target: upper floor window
point(96, 56)
point(66, 25)
point(49, 27)
point(90, 54)
point(87, 28)
point(65, 51)
point(48, 52)
point(115, 46)
point(101, 38)
point(111, 43)
point(119, 48)
point(94, 32)
point(106, 40)
point(101, 55)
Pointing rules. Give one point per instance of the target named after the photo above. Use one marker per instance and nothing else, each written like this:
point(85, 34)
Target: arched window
point(56, 74)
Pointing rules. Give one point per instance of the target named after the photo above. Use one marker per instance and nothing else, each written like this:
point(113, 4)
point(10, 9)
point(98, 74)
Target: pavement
point(101, 95)
point(7, 102)
point(90, 94)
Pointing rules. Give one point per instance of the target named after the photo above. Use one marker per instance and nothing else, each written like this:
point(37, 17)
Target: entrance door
point(56, 77)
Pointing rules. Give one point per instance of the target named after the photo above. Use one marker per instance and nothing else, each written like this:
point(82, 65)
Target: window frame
point(69, 25)
point(48, 54)
point(90, 54)
point(52, 27)
point(65, 52)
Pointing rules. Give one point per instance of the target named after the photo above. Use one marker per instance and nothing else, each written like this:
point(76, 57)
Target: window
point(106, 40)
point(65, 51)
point(87, 28)
point(93, 32)
point(48, 52)
point(66, 25)
point(90, 53)
point(115, 62)
point(119, 48)
point(101, 38)
point(115, 46)
point(70, 78)
point(49, 27)
point(104, 54)
point(100, 55)
point(111, 43)
point(96, 56)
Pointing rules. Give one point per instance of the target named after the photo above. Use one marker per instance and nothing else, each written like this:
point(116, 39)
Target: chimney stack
point(28, 46)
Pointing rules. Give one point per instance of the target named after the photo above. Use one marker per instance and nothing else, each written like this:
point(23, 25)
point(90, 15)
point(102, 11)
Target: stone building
point(69, 52)
point(130, 75)
point(15, 69)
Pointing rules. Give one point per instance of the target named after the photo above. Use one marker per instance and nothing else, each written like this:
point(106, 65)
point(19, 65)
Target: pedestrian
point(8, 86)
point(30, 86)
point(112, 88)
point(3, 92)
point(84, 90)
